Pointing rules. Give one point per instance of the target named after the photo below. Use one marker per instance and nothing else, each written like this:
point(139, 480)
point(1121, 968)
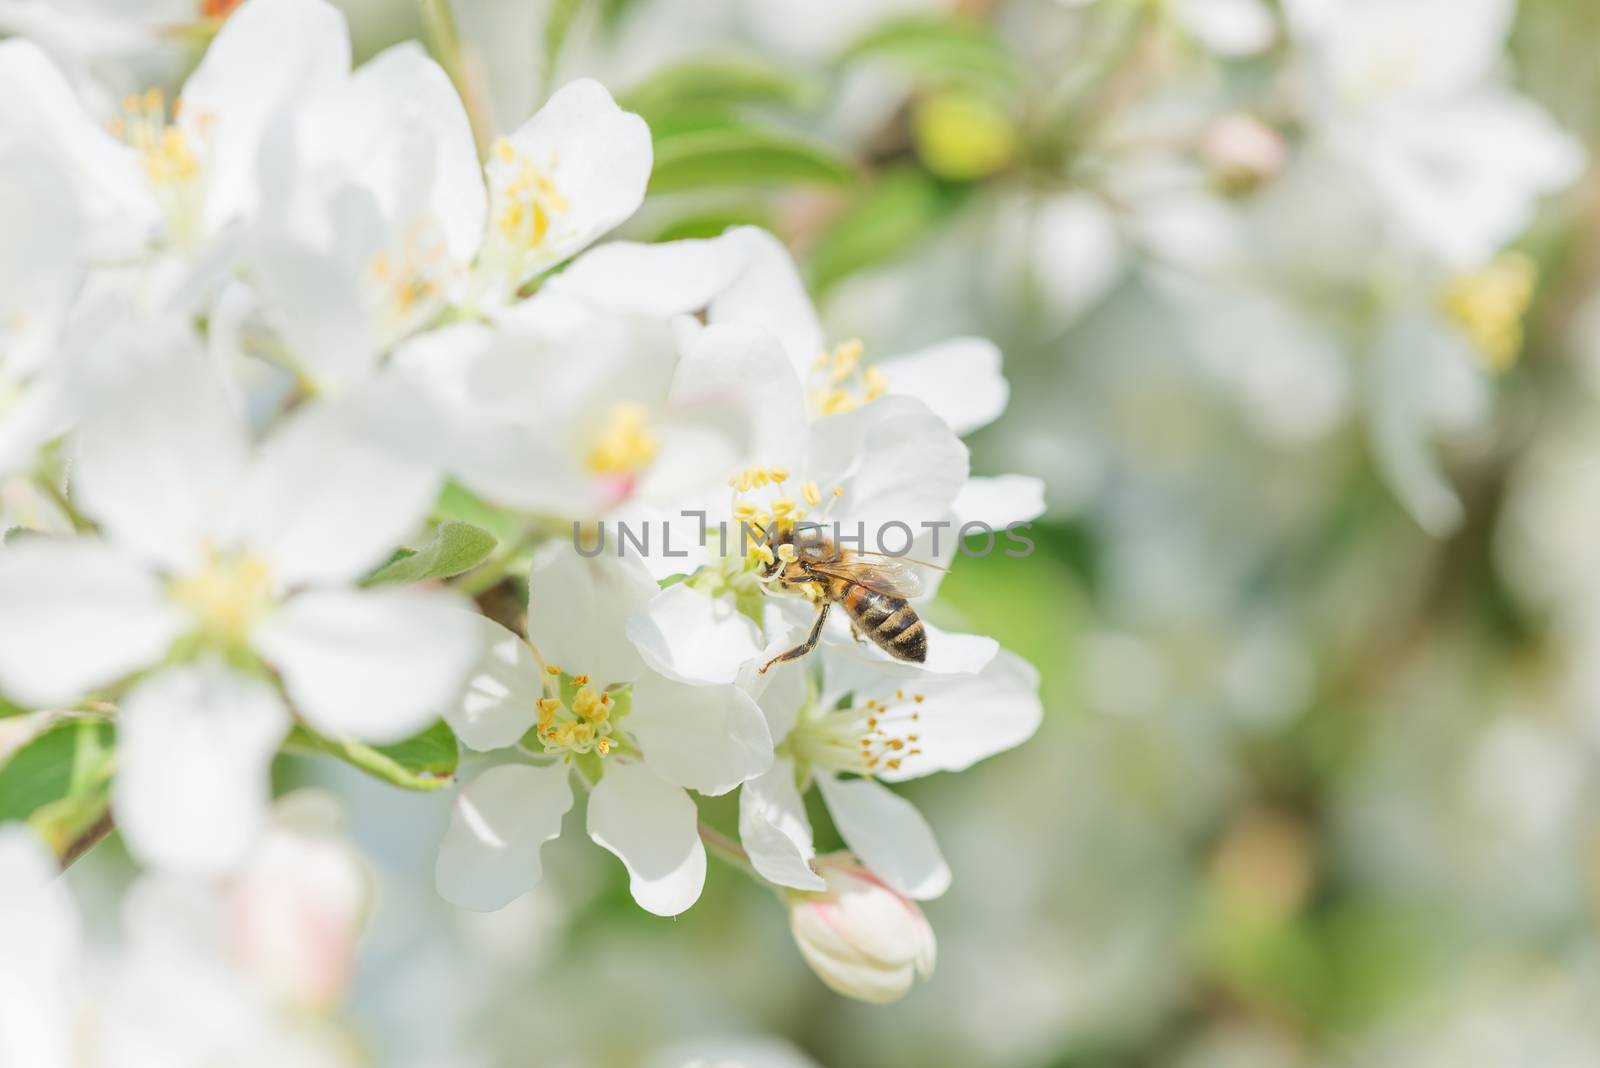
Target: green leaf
point(7, 709)
point(459, 503)
point(886, 219)
point(942, 51)
point(712, 222)
point(713, 84)
point(60, 779)
point(456, 547)
point(743, 156)
point(425, 761)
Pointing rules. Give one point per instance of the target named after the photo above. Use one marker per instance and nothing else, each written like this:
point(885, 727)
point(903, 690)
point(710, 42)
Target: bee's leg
point(804, 647)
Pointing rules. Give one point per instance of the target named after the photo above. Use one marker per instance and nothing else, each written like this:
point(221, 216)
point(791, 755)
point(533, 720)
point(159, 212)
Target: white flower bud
point(299, 905)
point(862, 938)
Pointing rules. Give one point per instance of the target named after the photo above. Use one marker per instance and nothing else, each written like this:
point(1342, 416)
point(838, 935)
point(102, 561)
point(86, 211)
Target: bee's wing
point(883, 576)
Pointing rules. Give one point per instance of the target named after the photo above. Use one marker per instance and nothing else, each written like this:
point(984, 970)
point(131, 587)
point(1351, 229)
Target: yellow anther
point(812, 495)
point(227, 595)
point(782, 507)
point(602, 746)
point(787, 553)
point(763, 553)
point(877, 383)
point(838, 491)
point(1489, 306)
point(580, 680)
point(624, 444)
point(504, 150)
point(744, 510)
point(552, 669)
point(778, 474)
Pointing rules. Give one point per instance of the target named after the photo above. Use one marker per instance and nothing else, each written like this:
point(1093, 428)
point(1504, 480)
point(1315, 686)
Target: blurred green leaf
point(941, 51)
point(743, 156)
point(904, 207)
point(460, 504)
point(713, 85)
point(425, 761)
point(456, 547)
point(68, 757)
point(8, 709)
point(714, 221)
point(60, 780)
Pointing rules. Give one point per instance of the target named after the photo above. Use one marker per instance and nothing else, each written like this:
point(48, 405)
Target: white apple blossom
point(884, 478)
point(581, 696)
point(187, 982)
point(178, 177)
point(384, 217)
point(241, 552)
point(747, 277)
point(877, 728)
point(1405, 94)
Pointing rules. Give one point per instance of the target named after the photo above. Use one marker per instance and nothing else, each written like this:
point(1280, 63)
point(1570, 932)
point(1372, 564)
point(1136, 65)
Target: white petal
point(1000, 501)
point(689, 636)
point(41, 262)
point(774, 830)
point(737, 378)
point(40, 941)
point(671, 278)
point(705, 738)
point(497, 707)
point(75, 615)
point(341, 484)
point(374, 665)
point(490, 854)
point(194, 747)
point(898, 464)
point(653, 828)
point(963, 719)
point(36, 98)
point(160, 448)
point(768, 293)
point(959, 380)
point(598, 156)
point(398, 128)
point(267, 56)
point(578, 612)
point(888, 835)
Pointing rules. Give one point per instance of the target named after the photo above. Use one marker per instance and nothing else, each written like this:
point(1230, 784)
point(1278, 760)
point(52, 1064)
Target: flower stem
point(490, 573)
point(48, 487)
point(728, 850)
point(92, 836)
point(441, 22)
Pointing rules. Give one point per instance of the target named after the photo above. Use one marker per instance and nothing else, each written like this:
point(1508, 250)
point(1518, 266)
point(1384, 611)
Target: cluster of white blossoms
point(294, 389)
point(250, 972)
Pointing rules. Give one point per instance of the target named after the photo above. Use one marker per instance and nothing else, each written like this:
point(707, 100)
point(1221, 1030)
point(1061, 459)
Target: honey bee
point(872, 593)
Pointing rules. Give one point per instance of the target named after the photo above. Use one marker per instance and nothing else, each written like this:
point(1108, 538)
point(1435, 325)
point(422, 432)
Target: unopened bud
point(862, 938)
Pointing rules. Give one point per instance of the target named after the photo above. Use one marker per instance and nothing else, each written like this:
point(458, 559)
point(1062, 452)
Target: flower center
point(863, 739)
point(526, 206)
point(410, 281)
point(1489, 304)
point(227, 596)
point(623, 444)
point(171, 163)
point(575, 717)
point(762, 503)
point(841, 382)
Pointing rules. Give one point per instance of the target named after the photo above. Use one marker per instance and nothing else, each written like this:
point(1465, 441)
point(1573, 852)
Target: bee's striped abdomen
point(891, 623)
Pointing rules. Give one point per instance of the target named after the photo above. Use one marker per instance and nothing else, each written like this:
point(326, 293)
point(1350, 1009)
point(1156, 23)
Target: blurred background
point(1315, 598)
